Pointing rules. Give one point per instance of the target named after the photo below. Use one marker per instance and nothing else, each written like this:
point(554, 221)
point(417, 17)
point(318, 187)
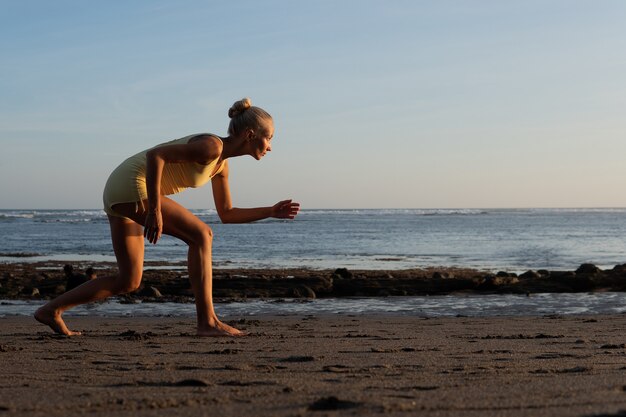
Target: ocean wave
point(53, 216)
point(597, 210)
point(14, 216)
point(60, 220)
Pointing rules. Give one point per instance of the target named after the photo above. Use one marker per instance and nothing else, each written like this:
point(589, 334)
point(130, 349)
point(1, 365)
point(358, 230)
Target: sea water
point(476, 305)
point(513, 240)
point(493, 239)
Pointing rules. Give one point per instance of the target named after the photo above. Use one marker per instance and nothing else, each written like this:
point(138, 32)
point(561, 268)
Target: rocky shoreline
point(169, 282)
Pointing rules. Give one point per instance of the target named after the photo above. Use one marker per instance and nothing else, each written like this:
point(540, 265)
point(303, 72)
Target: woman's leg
point(128, 245)
point(181, 223)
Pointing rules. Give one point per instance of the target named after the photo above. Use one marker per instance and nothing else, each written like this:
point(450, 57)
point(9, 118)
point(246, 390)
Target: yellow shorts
point(126, 184)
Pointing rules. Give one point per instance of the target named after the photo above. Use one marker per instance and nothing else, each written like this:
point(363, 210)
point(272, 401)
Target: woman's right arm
point(201, 151)
point(153, 227)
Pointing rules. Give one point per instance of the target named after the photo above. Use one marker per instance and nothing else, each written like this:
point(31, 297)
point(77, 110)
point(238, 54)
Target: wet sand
point(318, 366)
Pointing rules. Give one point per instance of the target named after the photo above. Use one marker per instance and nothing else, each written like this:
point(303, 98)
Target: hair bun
point(239, 107)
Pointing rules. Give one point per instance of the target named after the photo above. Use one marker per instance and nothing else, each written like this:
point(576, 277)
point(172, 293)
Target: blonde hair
point(244, 115)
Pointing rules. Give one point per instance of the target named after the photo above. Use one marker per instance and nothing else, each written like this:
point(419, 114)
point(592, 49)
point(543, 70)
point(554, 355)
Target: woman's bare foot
point(54, 321)
point(219, 329)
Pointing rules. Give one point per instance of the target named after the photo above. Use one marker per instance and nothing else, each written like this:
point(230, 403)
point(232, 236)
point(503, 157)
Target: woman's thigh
point(128, 245)
point(178, 221)
point(183, 224)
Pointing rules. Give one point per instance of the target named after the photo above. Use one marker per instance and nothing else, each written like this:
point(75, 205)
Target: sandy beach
point(318, 365)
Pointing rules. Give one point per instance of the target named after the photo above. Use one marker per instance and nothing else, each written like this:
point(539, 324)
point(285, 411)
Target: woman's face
point(261, 141)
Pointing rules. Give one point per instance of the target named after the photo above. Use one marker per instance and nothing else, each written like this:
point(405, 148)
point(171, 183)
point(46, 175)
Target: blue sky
point(376, 103)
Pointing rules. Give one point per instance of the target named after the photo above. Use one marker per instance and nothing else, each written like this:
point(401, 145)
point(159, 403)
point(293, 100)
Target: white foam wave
point(16, 215)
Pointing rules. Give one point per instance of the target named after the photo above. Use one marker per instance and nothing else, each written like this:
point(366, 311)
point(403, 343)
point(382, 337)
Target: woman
point(135, 197)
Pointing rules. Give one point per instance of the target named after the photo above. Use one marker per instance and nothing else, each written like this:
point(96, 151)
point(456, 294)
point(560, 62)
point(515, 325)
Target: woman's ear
point(249, 135)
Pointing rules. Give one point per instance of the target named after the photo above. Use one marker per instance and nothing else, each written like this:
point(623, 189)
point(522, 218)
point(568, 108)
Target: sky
point(376, 104)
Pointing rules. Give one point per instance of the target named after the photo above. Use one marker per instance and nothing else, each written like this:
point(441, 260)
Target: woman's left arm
point(285, 209)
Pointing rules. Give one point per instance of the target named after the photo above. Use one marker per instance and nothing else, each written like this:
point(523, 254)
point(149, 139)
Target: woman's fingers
point(153, 234)
point(290, 210)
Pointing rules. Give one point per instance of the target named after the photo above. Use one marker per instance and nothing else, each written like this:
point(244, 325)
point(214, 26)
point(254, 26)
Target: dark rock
point(543, 272)
point(562, 275)
point(343, 273)
point(588, 269)
point(493, 281)
point(307, 291)
point(150, 292)
point(510, 280)
point(530, 275)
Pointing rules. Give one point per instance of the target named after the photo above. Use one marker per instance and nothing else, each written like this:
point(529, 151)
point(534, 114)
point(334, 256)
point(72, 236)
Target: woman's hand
point(153, 226)
point(285, 209)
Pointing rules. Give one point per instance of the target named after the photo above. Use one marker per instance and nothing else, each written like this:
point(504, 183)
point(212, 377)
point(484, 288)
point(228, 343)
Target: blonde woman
point(136, 202)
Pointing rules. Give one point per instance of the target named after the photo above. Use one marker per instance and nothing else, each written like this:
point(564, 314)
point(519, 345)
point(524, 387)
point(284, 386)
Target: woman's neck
point(233, 146)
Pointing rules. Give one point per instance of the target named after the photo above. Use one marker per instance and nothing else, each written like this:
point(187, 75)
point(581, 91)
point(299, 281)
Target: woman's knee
point(127, 283)
point(203, 237)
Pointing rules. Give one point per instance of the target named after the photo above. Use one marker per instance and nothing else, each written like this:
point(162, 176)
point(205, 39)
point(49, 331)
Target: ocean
point(514, 240)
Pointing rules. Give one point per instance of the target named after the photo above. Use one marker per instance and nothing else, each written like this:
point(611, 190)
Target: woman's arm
point(202, 149)
point(285, 209)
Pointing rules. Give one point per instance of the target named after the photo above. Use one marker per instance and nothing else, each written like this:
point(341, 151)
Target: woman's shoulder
point(208, 137)
point(208, 144)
